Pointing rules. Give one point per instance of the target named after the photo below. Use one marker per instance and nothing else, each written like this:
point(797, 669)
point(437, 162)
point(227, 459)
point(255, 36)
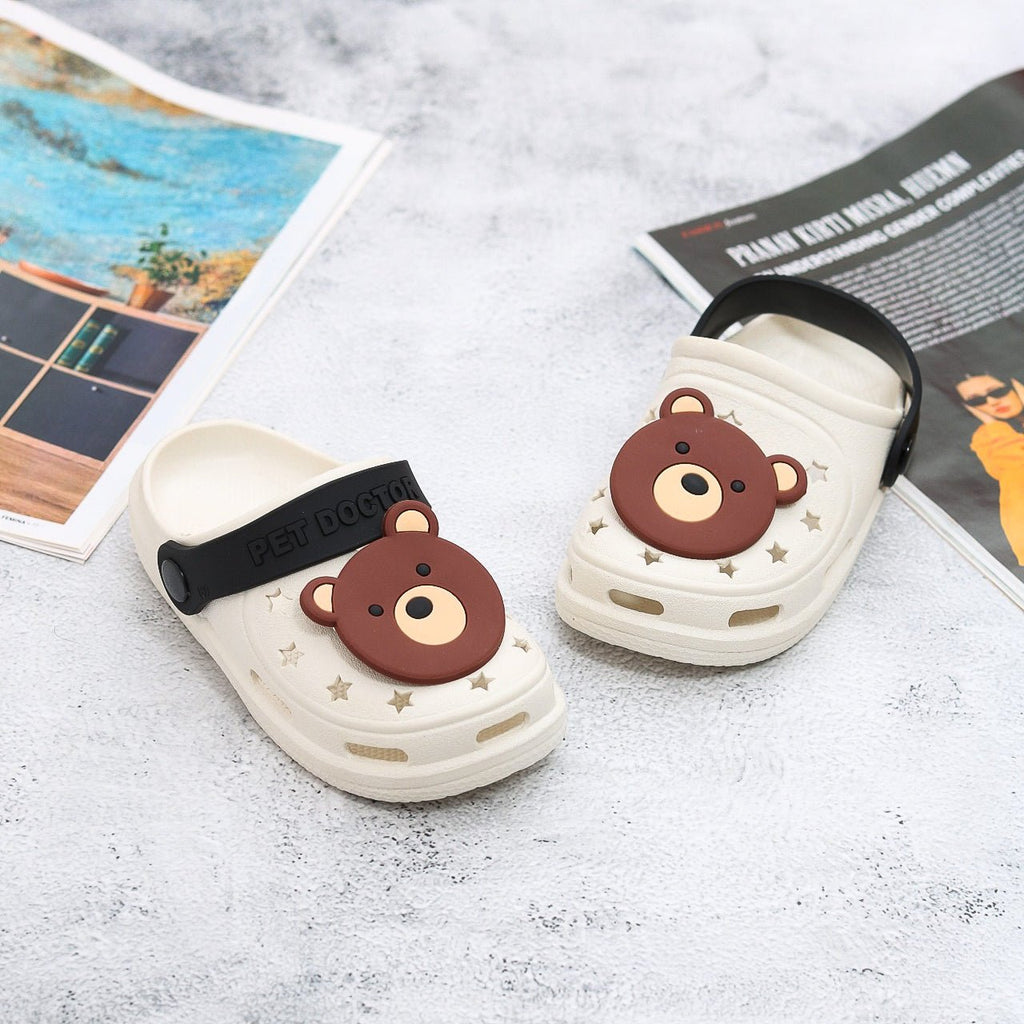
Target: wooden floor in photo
point(44, 484)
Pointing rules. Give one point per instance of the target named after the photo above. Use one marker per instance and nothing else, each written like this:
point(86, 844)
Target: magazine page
point(930, 230)
point(145, 229)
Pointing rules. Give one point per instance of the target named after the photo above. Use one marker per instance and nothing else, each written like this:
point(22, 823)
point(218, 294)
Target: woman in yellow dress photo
point(999, 444)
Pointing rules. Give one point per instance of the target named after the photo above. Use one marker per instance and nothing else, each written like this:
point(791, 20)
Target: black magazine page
point(929, 229)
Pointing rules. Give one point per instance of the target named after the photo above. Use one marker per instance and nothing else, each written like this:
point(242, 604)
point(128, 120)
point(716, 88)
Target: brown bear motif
point(696, 486)
point(411, 605)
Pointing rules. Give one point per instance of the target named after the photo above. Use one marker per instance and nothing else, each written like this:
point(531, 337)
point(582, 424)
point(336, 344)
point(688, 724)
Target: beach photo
point(128, 223)
point(111, 187)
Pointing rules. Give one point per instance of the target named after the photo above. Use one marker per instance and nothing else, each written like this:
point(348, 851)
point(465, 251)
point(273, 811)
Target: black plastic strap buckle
point(328, 521)
point(832, 310)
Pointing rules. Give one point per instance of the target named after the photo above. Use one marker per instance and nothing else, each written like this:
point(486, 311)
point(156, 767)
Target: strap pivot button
point(174, 580)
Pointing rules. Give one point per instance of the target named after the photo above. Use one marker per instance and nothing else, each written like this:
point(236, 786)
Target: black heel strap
point(330, 520)
point(832, 310)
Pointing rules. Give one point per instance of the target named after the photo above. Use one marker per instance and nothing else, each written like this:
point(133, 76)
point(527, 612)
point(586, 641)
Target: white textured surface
point(832, 836)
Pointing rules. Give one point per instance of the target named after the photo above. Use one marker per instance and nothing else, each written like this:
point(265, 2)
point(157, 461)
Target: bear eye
point(682, 447)
point(375, 609)
point(423, 569)
point(738, 485)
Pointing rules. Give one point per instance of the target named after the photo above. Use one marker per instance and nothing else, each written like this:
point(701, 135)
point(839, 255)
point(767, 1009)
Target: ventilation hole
point(570, 574)
point(636, 603)
point(751, 616)
point(268, 692)
point(377, 753)
point(502, 727)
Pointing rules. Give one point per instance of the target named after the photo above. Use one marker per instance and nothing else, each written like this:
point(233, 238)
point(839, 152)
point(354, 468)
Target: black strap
point(832, 310)
point(328, 521)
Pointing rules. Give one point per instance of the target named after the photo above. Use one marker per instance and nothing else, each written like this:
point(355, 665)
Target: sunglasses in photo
point(1000, 392)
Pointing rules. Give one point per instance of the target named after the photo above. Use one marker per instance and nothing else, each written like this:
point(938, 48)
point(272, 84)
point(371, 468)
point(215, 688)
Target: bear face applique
point(411, 605)
point(696, 486)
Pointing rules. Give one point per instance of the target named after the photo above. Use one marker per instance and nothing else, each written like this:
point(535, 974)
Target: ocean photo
point(95, 168)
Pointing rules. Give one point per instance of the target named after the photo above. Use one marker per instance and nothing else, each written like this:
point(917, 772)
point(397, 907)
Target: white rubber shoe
point(731, 519)
point(218, 505)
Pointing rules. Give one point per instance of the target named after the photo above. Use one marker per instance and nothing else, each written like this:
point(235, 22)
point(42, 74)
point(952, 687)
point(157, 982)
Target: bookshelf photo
point(77, 372)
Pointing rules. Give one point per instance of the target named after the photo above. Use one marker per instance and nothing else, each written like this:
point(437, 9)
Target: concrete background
point(832, 836)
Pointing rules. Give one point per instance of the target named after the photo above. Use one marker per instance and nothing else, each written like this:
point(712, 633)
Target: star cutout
point(271, 598)
point(290, 655)
point(730, 416)
point(481, 682)
point(339, 690)
point(597, 524)
point(727, 567)
point(522, 644)
point(599, 493)
point(778, 553)
point(816, 471)
point(401, 700)
point(650, 556)
point(812, 522)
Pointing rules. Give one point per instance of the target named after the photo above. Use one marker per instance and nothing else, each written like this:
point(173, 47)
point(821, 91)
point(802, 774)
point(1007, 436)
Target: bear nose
point(430, 615)
point(419, 607)
point(694, 484)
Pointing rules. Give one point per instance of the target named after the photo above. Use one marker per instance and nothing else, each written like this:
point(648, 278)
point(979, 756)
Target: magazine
point(930, 230)
point(146, 227)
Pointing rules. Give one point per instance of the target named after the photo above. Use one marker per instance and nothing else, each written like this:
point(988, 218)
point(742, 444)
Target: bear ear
point(790, 479)
point(410, 517)
point(317, 600)
point(686, 400)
